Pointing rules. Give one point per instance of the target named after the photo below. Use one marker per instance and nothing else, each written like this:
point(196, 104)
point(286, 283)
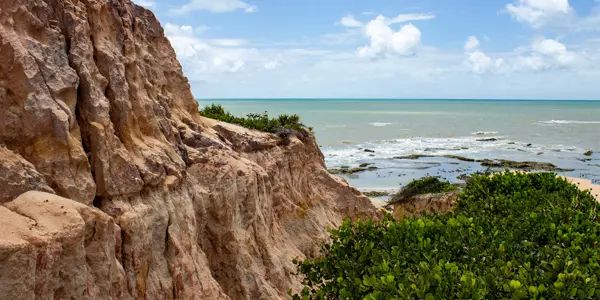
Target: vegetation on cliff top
point(258, 121)
point(427, 185)
point(511, 236)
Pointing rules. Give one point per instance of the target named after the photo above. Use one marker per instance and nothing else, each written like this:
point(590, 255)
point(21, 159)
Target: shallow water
point(547, 131)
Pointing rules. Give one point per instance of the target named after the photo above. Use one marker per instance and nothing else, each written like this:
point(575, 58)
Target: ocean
point(558, 132)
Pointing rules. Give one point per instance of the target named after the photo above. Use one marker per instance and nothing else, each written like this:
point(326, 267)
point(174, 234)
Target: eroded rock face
point(151, 201)
point(427, 203)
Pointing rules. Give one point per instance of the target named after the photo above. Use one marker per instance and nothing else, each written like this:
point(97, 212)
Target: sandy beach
point(585, 184)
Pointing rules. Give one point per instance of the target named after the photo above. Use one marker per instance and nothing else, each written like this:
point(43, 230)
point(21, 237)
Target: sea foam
point(485, 133)
point(568, 122)
point(380, 124)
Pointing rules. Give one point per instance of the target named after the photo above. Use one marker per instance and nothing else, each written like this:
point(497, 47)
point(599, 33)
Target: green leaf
point(515, 284)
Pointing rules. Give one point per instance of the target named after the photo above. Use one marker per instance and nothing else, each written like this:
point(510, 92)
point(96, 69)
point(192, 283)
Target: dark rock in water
point(371, 154)
point(588, 153)
point(511, 143)
point(526, 165)
point(417, 156)
point(521, 150)
point(529, 145)
point(351, 171)
point(413, 156)
point(464, 148)
point(584, 159)
point(344, 167)
point(369, 150)
point(365, 165)
point(487, 140)
point(540, 153)
point(461, 158)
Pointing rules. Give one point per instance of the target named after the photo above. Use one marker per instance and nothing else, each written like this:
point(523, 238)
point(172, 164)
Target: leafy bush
point(258, 121)
point(427, 185)
point(512, 236)
point(376, 194)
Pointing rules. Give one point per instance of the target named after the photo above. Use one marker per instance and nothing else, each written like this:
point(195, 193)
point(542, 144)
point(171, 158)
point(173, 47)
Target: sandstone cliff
point(112, 186)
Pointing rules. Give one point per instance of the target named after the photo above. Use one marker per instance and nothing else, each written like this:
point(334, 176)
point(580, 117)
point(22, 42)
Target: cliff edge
point(113, 187)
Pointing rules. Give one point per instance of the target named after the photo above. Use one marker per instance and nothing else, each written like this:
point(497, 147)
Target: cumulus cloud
point(215, 6)
point(205, 56)
point(551, 54)
point(385, 41)
point(472, 44)
point(479, 62)
point(544, 54)
point(538, 13)
point(350, 21)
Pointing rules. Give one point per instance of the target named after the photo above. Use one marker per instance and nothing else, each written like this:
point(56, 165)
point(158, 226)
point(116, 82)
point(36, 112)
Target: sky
point(462, 49)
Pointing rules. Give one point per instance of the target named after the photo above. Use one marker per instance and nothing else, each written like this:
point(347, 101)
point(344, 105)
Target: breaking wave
point(379, 124)
point(485, 133)
point(568, 122)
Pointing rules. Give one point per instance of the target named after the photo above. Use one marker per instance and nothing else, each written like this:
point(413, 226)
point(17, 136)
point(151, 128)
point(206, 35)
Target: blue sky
point(516, 49)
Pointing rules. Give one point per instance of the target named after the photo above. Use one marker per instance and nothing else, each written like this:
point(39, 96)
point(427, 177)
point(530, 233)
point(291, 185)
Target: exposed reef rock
point(113, 187)
point(497, 163)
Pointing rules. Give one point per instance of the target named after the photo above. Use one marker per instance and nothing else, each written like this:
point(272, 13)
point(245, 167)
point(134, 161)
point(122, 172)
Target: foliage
point(427, 185)
point(512, 236)
point(376, 194)
point(258, 121)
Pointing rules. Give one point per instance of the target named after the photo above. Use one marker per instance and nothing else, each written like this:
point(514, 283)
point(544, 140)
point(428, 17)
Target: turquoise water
point(549, 131)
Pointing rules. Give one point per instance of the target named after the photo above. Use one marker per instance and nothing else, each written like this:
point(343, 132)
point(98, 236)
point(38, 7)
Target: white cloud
point(350, 21)
point(544, 54)
point(215, 6)
point(271, 65)
point(472, 43)
point(538, 13)
point(227, 42)
point(145, 3)
point(206, 56)
point(477, 61)
point(410, 17)
point(480, 63)
point(547, 54)
point(384, 41)
point(556, 52)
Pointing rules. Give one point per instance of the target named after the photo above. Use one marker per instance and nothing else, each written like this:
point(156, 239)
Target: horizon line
point(418, 99)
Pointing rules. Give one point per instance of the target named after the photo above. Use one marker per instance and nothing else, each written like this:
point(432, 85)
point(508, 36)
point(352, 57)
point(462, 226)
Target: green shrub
point(376, 194)
point(512, 236)
point(258, 121)
point(427, 185)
